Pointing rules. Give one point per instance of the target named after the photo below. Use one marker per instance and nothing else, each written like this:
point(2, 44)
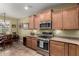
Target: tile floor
point(18, 50)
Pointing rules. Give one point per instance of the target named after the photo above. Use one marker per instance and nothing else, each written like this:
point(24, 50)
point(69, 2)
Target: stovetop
point(45, 35)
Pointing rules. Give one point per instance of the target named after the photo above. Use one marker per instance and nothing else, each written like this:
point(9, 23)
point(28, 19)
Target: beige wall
point(23, 32)
point(12, 21)
point(67, 33)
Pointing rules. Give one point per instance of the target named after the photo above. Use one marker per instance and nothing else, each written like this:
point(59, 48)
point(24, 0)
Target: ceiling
point(17, 9)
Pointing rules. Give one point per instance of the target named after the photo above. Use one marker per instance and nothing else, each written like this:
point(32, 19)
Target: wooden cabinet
point(34, 43)
point(28, 42)
point(34, 21)
point(31, 22)
point(72, 50)
point(57, 19)
point(31, 42)
point(41, 15)
point(77, 50)
point(37, 22)
point(66, 18)
point(57, 48)
point(66, 49)
point(70, 18)
point(46, 15)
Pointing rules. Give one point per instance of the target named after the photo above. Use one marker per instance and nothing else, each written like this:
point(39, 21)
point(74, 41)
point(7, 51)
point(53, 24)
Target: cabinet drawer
point(57, 43)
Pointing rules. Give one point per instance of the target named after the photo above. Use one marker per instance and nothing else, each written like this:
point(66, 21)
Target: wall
point(23, 32)
point(67, 33)
point(12, 21)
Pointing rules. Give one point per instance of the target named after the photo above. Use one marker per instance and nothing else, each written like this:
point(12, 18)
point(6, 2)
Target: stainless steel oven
point(43, 47)
point(43, 44)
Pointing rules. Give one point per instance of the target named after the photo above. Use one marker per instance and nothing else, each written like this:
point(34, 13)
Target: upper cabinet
point(57, 19)
point(66, 18)
point(46, 15)
point(34, 21)
point(37, 22)
point(41, 16)
point(70, 18)
point(31, 22)
point(63, 18)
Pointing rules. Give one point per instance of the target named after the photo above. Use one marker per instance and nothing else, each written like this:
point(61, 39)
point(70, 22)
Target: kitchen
point(50, 31)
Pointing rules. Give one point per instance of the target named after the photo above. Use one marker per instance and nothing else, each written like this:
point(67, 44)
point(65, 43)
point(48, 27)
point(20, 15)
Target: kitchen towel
point(41, 44)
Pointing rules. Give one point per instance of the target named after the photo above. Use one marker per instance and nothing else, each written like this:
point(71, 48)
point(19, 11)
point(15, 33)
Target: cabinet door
point(48, 14)
point(70, 18)
point(34, 43)
point(66, 49)
point(29, 43)
point(57, 19)
point(56, 48)
point(31, 22)
point(77, 50)
point(41, 16)
point(72, 50)
point(37, 22)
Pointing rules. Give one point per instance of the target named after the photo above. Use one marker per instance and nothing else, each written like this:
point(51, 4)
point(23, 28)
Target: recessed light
point(26, 7)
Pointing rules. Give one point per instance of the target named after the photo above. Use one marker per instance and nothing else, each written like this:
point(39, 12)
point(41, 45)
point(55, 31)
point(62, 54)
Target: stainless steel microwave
point(46, 25)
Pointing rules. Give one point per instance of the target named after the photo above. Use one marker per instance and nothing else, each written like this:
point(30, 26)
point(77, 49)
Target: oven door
point(45, 45)
point(40, 44)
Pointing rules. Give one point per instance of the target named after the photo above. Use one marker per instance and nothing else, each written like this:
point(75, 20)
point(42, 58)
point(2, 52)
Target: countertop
point(63, 39)
point(32, 36)
point(74, 41)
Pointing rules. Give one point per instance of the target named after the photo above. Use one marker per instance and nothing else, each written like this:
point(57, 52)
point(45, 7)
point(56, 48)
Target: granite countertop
point(74, 41)
point(31, 36)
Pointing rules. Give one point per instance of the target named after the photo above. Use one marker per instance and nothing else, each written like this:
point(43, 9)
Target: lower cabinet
point(31, 42)
point(34, 43)
point(58, 48)
point(77, 50)
point(28, 42)
point(72, 49)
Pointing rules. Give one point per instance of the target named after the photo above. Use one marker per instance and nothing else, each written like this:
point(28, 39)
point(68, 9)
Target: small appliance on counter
point(43, 43)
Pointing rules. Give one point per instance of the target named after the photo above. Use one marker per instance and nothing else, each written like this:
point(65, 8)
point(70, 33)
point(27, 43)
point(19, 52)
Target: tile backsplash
point(67, 33)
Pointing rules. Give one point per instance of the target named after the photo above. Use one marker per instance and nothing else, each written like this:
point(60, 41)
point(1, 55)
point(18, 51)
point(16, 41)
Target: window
point(4, 26)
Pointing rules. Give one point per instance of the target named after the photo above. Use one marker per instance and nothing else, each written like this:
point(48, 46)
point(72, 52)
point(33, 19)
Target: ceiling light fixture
point(26, 7)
